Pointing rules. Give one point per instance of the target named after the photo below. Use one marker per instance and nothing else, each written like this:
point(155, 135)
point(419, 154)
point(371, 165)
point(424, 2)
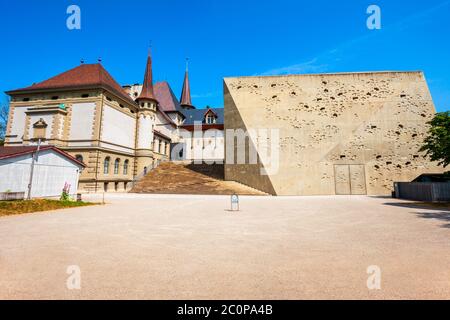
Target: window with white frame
point(210, 119)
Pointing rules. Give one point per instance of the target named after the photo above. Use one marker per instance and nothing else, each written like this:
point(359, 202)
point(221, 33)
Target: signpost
point(235, 202)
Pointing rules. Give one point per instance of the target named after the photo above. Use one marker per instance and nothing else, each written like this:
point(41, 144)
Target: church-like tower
point(148, 106)
point(146, 99)
point(185, 101)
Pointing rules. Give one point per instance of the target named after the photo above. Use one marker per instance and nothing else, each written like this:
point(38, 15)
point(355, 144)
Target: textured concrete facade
point(352, 133)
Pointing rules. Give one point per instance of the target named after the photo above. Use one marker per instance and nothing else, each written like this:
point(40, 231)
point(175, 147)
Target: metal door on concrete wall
point(350, 179)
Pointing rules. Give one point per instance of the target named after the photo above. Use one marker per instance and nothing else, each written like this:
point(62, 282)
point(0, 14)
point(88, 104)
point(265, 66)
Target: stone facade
point(353, 133)
point(120, 133)
point(89, 125)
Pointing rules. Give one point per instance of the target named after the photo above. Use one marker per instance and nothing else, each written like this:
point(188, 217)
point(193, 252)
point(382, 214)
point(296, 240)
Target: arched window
point(106, 165)
point(125, 167)
point(79, 157)
point(116, 166)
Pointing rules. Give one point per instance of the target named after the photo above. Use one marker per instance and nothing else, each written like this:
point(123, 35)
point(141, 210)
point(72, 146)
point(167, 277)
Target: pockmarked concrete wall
point(352, 133)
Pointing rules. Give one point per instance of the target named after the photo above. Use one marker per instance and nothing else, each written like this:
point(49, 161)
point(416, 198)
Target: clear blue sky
point(225, 38)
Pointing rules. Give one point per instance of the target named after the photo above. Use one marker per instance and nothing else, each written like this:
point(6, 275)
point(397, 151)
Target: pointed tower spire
point(147, 88)
point(186, 101)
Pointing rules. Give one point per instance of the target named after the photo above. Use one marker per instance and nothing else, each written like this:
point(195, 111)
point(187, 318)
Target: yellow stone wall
point(353, 133)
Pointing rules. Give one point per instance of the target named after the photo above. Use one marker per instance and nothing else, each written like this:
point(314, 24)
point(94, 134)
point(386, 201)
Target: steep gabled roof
point(83, 76)
point(168, 102)
point(209, 110)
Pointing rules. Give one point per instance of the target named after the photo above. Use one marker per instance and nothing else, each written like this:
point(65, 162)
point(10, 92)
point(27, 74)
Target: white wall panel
point(51, 172)
point(82, 121)
point(18, 123)
point(145, 137)
point(118, 127)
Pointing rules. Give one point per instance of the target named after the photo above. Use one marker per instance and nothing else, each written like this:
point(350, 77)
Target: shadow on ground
point(215, 171)
point(380, 197)
point(439, 211)
point(442, 216)
point(421, 205)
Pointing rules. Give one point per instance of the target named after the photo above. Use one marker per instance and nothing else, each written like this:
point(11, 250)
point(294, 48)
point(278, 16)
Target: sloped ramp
point(175, 178)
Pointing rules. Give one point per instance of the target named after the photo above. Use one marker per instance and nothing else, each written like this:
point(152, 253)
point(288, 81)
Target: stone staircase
point(178, 178)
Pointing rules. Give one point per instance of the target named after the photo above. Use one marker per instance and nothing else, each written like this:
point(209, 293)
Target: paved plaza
point(194, 247)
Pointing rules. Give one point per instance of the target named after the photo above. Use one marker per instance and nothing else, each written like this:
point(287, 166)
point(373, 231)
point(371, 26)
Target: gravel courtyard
point(193, 247)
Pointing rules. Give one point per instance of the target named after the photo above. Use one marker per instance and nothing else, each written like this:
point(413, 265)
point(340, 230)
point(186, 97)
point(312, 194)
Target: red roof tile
point(12, 152)
point(85, 75)
point(166, 98)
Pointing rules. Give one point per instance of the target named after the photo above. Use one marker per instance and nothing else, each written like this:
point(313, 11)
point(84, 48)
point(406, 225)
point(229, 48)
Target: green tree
point(437, 144)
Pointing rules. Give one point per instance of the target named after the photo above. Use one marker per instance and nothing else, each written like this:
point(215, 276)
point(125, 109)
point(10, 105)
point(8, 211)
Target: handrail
point(140, 176)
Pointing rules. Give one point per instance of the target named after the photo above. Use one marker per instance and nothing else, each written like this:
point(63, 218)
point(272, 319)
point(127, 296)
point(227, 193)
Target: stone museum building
point(119, 132)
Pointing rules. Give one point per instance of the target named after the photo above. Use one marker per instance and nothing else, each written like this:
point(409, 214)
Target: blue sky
point(225, 38)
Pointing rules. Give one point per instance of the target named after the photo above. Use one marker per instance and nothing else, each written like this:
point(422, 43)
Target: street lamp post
point(33, 160)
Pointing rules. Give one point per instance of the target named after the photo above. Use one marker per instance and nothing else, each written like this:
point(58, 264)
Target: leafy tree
point(437, 144)
point(4, 111)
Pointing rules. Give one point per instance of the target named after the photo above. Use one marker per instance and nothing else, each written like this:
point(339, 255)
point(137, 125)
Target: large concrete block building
point(345, 134)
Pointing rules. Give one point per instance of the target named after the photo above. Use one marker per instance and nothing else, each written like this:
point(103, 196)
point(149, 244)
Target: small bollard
point(234, 202)
point(79, 197)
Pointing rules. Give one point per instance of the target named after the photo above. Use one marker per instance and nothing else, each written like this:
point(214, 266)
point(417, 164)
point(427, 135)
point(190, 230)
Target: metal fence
point(422, 191)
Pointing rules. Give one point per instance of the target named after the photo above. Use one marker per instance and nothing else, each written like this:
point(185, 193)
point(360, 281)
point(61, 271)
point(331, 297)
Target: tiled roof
point(166, 98)
point(85, 75)
point(194, 115)
point(12, 152)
